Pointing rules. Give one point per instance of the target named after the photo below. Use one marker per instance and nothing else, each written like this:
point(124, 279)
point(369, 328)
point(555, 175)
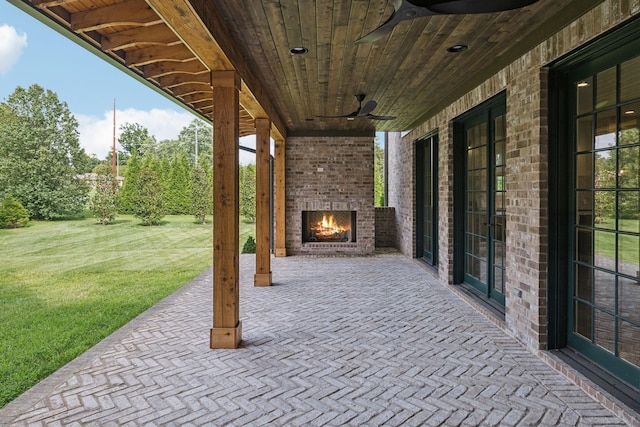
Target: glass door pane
point(476, 230)
point(485, 202)
point(427, 200)
point(427, 251)
point(498, 220)
point(605, 286)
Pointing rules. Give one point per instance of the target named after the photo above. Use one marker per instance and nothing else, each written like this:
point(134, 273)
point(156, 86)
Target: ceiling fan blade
point(368, 107)
point(459, 7)
point(403, 11)
point(330, 117)
point(374, 117)
point(411, 9)
point(354, 114)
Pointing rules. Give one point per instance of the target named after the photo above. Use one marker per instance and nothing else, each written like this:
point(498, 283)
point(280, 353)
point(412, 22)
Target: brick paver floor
point(364, 341)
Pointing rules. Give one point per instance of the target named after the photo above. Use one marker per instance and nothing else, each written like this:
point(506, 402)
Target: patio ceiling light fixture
point(457, 48)
point(298, 50)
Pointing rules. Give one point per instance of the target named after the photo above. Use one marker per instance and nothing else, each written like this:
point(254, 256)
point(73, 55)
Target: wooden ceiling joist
point(175, 80)
point(198, 97)
point(194, 21)
point(139, 36)
point(131, 12)
point(151, 54)
point(191, 89)
point(160, 69)
point(47, 3)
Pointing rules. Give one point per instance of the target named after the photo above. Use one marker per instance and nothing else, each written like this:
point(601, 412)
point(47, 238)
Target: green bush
point(249, 246)
point(147, 201)
point(104, 203)
point(12, 213)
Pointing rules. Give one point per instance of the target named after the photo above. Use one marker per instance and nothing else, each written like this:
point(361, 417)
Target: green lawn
point(629, 245)
point(66, 285)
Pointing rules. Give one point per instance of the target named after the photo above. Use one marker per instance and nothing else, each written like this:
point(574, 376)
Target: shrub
point(104, 203)
point(12, 213)
point(249, 246)
point(147, 201)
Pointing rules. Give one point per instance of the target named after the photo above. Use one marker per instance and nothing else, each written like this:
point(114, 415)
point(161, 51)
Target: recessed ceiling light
point(583, 84)
point(298, 50)
point(456, 48)
point(629, 112)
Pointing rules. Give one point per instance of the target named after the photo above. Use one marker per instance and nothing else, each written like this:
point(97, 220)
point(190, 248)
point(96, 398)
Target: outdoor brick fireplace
point(329, 196)
point(328, 226)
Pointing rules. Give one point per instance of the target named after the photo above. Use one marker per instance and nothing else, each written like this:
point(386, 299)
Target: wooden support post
point(263, 204)
point(227, 328)
point(280, 202)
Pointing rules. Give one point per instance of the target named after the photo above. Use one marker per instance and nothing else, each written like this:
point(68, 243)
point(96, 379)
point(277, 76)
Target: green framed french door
point(484, 140)
point(604, 266)
point(427, 199)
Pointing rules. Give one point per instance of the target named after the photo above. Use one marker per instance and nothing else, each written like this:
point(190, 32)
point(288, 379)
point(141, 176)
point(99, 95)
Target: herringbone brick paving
point(335, 341)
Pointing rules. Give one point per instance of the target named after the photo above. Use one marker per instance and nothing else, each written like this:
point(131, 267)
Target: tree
point(104, 203)
point(617, 169)
point(248, 192)
point(87, 163)
point(178, 189)
point(148, 202)
point(129, 185)
point(197, 137)
point(200, 194)
point(12, 213)
point(629, 172)
point(135, 139)
point(41, 154)
point(378, 177)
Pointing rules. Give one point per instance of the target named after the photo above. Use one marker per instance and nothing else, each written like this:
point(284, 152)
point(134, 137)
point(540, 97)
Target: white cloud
point(96, 134)
point(11, 47)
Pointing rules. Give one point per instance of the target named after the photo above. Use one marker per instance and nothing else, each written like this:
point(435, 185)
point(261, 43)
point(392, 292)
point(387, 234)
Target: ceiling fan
point(410, 9)
point(362, 111)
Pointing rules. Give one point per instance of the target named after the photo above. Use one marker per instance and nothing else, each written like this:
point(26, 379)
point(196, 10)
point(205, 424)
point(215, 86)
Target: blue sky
point(31, 52)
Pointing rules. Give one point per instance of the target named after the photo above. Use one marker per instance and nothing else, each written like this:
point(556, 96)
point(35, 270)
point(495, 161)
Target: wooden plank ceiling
point(176, 44)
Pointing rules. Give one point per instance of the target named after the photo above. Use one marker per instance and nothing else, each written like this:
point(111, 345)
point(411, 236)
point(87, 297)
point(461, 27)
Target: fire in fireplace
point(328, 226)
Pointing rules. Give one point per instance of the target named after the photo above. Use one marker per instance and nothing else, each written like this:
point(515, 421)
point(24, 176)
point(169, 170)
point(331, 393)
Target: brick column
point(227, 328)
point(263, 204)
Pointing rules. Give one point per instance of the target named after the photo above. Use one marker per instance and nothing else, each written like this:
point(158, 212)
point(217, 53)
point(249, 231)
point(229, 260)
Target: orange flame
point(328, 226)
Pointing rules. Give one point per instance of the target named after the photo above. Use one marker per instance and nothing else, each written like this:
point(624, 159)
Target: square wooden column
point(227, 328)
point(263, 204)
point(280, 202)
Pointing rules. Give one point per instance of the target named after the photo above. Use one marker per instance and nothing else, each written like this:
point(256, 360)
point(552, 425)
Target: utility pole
point(114, 170)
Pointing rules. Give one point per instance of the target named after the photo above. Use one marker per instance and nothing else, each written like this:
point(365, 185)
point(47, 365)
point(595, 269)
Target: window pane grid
point(606, 255)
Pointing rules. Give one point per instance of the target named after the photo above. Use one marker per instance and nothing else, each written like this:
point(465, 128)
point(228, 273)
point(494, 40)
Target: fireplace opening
point(328, 226)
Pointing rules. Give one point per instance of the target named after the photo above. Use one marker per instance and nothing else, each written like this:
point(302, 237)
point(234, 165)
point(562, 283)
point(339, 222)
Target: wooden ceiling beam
point(48, 3)
point(152, 34)
point(200, 27)
point(132, 12)
point(151, 54)
point(197, 97)
point(159, 69)
point(191, 88)
point(175, 80)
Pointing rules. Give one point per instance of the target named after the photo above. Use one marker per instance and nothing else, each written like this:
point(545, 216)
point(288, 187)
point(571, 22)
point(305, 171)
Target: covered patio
point(493, 124)
point(335, 341)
